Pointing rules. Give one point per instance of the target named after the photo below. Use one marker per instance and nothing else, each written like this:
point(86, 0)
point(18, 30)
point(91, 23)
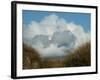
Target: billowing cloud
point(40, 41)
point(65, 38)
point(53, 36)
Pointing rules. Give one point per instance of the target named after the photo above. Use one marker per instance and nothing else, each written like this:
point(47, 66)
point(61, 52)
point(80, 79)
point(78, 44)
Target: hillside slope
point(80, 57)
point(31, 58)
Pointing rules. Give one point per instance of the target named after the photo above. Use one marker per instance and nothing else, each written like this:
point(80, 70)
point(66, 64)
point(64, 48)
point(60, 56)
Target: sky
point(78, 18)
point(55, 34)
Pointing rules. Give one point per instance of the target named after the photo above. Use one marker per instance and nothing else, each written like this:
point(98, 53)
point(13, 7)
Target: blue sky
point(82, 19)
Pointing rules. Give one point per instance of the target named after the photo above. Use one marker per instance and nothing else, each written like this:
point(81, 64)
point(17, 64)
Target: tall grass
point(31, 58)
point(80, 57)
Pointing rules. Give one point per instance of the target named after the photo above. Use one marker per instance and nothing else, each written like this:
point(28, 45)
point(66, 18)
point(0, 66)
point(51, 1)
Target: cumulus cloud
point(40, 41)
point(53, 36)
point(65, 38)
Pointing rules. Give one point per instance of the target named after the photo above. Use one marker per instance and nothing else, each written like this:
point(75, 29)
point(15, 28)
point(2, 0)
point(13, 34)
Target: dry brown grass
point(48, 63)
point(80, 57)
point(31, 58)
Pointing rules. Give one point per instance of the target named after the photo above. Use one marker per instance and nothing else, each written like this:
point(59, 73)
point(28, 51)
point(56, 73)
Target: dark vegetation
point(80, 57)
point(31, 58)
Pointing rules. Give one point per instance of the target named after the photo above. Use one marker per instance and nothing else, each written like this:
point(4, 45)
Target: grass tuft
point(80, 57)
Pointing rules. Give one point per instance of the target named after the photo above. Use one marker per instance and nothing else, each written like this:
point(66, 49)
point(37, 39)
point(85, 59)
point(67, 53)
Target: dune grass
point(80, 57)
point(31, 58)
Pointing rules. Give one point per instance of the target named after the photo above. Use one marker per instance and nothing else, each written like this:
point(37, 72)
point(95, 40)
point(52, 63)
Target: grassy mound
point(31, 58)
point(80, 57)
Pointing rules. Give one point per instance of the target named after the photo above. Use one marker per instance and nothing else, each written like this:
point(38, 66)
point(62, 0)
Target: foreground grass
point(31, 58)
point(80, 57)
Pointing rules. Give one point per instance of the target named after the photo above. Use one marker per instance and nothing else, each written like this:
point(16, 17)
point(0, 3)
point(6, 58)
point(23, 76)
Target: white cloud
point(81, 35)
point(51, 51)
point(53, 36)
point(65, 38)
